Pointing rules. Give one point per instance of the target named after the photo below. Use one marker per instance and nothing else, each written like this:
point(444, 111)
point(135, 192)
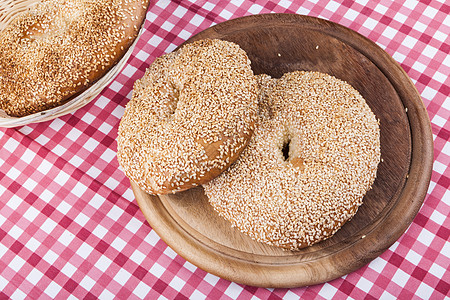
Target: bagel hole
point(285, 149)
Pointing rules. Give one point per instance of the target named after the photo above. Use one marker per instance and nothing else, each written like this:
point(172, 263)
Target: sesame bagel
point(313, 156)
point(189, 118)
point(59, 48)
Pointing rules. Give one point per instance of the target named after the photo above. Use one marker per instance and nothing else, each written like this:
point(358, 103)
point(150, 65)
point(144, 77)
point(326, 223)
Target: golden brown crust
point(60, 48)
point(312, 157)
point(190, 117)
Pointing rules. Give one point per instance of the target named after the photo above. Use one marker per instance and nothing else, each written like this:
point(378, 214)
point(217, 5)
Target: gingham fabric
point(71, 228)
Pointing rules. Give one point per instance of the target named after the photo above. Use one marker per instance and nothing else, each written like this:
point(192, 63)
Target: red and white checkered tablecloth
point(71, 228)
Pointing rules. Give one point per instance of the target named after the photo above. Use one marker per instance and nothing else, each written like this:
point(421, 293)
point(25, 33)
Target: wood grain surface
point(279, 43)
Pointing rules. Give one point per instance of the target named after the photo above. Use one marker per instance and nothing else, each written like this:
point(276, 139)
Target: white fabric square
point(3, 250)
point(3, 283)
point(157, 270)
point(411, 4)
point(133, 225)
point(59, 150)
point(56, 124)
point(14, 202)
point(100, 231)
point(138, 257)
point(351, 14)
point(44, 167)
point(108, 155)
point(102, 101)
point(437, 217)
point(428, 93)
point(16, 263)
point(418, 66)
point(437, 270)
point(33, 244)
point(208, 6)
point(142, 55)
point(115, 213)
point(48, 225)
point(388, 296)
point(420, 27)
point(93, 172)
point(88, 117)
point(129, 71)
point(63, 207)
point(115, 86)
point(211, 279)
point(370, 23)
point(233, 290)
point(96, 201)
point(13, 173)
point(79, 189)
point(47, 196)
point(327, 291)
point(438, 120)
point(332, 6)
point(84, 250)
point(440, 36)
point(61, 178)
point(430, 12)
point(399, 17)
point(105, 128)
point(42, 139)
point(87, 282)
point(111, 183)
point(11, 145)
point(446, 150)
point(50, 257)
point(28, 156)
point(76, 161)
point(106, 295)
point(378, 264)
point(198, 295)
point(118, 112)
point(177, 283)
point(152, 238)
point(68, 269)
point(66, 238)
point(413, 257)
point(364, 285)
point(73, 134)
point(190, 266)
point(440, 77)
point(103, 263)
point(409, 41)
point(170, 253)
point(197, 20)
point(118, 244)
point(142, 290)
point(31, 214)
point(15, 232)
point(18, 295)
point(225, 14)
point(52, 289)
point(29, 184)
point(255, 9)
point(400, 278)
point(424, 291)
point(82, 219)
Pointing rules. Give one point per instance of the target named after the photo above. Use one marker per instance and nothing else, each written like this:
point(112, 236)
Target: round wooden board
point(279, 43)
